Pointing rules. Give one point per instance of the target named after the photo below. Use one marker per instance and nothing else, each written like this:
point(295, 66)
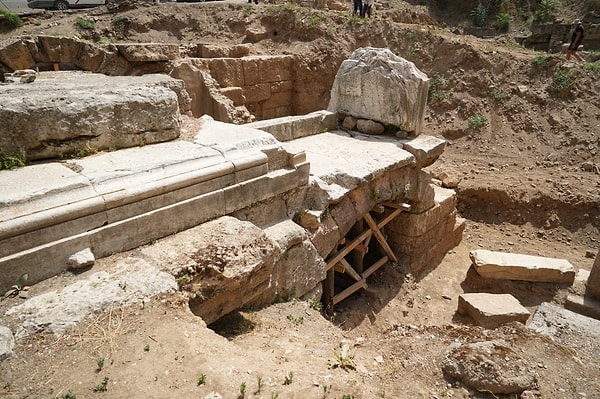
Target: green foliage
point(477, 121)
point(544, 9)
point(102, 387)
point(243, 389)
point(498, 95)
point(84, 23)
point(12, 161)
point(201, 379)
point(315, 304)
point(437, 85)
point(343, 359)
point(562, 81)
point(540, 62)
point(347, 396)
point(289, 378)
point(10, 20)
point(68, 395)
point(479, 15)
point(100, 364)
point(592, 66)
point(503, 21)
point(119, 23)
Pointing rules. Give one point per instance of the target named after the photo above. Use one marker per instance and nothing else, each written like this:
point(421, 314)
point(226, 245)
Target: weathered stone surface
point(54, 311)
point(56, 115)
point(593, 283)
point(376, 84)
point(216, 51)
point(368, 126)
point(490, 366)
point(585, 305)
point(508, 266)
point(231, 267)
point(426, 149)
point(148, 52)
point(15, 54)
point(492, 310)
point(81, 259)
point(558, 323)
point(288, 128)
point(355, 161)
point(349, 123)
point(7, 343)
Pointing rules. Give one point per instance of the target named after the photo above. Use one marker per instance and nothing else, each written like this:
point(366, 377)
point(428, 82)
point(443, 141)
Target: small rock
point(7, 343)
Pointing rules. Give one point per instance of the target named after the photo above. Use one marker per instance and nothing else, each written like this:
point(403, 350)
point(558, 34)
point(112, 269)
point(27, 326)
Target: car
point(66, 4)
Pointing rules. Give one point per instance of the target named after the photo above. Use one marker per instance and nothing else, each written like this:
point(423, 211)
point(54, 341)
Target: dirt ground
point(528, 183)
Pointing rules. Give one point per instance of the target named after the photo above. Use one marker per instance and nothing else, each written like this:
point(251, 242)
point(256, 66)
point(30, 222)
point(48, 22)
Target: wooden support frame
point(338, 263)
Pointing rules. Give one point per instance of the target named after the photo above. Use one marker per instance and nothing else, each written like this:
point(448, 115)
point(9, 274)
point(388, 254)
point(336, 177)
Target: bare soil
point(528, 183)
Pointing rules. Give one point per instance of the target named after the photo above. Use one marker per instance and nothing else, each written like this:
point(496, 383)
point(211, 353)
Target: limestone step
point(509, 266)
point(119, 200)
point(492, 310)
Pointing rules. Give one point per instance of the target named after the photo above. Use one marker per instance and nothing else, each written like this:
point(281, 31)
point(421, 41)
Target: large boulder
point(74, 113)
point(376, 84)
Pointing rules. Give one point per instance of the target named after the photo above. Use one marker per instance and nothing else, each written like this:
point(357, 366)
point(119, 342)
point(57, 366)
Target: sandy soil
point(528, 184)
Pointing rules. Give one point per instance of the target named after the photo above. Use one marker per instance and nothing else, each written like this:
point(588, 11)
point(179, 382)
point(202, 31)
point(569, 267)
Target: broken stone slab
point(60, 114)
point(132, 280)
point(492, 310)
point(509, 266)
point(289, 128)
point(148, 52)
point(585, 305)
point(374, 83)
point(489, 366)
point(81, 259)
point(426, 149)
point(7, 343)
point(559, 323)
point(341, 162)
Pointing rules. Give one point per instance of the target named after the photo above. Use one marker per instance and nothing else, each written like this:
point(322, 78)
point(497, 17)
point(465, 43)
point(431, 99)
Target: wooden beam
point(346, 250)
point(379, 208)
point(374, 267)
point(349, 291)
point(373, 225)
point(350, 270)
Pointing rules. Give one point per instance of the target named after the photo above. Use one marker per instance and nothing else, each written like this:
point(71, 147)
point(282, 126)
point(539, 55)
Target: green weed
point(479, 15)
point(477, 121)
point(84, 23)
point(343, 359)
point(592, 66)
point(437, 85)
point(201, 379)
point(540, 62)
point(12, 161)
point(102, 387)
point(10, 20)
point(562, 81)
point(503, 21)
point(288, 379)
point(68, 395)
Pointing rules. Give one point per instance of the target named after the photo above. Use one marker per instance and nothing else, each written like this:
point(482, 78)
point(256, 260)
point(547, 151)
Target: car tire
point(61, 5)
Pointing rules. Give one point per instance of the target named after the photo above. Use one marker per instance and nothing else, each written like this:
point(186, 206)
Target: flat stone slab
point(585, 305)
point(492, 310)
point(341, 161)
point(508, 266)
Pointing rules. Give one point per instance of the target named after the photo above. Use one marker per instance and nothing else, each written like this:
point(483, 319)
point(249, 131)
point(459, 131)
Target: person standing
point(576, 40)
point(358, 8)
point(367, 7)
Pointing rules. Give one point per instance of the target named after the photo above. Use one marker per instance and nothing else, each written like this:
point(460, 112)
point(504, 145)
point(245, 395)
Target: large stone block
point(593, 282)
point(148, 52)
point(47, 120)
point(376, 84)
point(492, 310)
point(15, 54)
point(508, 266)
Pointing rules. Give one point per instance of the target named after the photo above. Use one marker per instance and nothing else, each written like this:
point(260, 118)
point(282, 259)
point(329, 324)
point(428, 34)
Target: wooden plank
point(328, 291)
point(373, 225)
point(339, 268)
point(374, 267)
point(362, 248)
point(389, 218)
point(350, 270)
point(349, 291)
point(378, 208)
point(346, 250)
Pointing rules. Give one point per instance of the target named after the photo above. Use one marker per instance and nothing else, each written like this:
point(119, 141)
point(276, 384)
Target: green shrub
point(503, 21)
point(437, 85)
point(477, 121)
point(479, 15)
point(84, 23)
point(11, 21)
point(540, 61)
point(545, 8)
point(562, 80)
point(12, 161)
point(592, 66)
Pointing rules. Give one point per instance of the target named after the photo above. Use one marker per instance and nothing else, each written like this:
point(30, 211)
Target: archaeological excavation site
point(281, 200)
